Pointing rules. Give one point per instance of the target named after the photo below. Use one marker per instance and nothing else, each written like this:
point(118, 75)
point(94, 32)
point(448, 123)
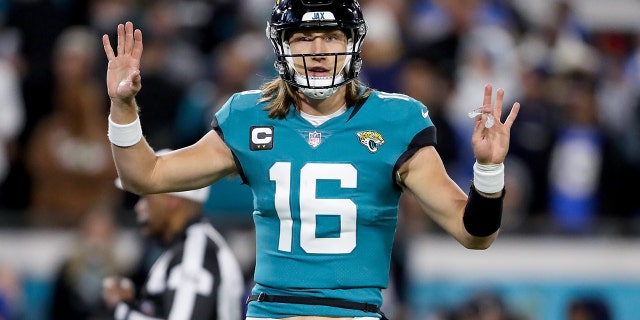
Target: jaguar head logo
point(370, 139)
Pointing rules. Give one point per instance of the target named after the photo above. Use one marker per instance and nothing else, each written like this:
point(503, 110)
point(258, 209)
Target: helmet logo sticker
point(318, 16)
point(370, 139)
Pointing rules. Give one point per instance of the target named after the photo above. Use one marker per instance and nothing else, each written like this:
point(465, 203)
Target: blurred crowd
point(575, 149)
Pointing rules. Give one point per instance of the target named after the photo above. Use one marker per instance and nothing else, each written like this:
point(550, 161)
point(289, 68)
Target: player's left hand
point(490, 145)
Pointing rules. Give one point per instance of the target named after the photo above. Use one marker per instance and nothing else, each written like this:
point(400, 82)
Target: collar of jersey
point(316, 121)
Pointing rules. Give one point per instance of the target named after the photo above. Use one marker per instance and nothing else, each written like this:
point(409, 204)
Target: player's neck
point(323, 107)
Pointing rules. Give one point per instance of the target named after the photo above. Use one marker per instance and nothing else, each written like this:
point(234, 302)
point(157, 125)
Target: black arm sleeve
point(426, 137)
point(482, 215)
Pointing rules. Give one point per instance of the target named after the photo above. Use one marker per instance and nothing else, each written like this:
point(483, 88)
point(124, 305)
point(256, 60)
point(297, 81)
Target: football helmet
point(292, 15)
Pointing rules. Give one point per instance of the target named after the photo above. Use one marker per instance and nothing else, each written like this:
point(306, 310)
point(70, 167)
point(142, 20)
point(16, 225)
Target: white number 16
point(311, 206)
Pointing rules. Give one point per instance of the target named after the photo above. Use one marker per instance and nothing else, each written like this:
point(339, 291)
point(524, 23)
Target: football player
point(327, 159)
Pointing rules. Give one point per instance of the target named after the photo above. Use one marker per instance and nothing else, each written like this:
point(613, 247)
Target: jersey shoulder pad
point(401, 107)
point(245, 99)
point(241, 102)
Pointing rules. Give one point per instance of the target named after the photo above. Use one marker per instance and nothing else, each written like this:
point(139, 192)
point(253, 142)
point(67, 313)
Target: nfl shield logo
point(314, 138)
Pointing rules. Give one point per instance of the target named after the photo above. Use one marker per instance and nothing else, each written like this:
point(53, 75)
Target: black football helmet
point(290, 15)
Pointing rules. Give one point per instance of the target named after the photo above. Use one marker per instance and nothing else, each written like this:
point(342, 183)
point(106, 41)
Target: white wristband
point(488, 178)
point(125, 135)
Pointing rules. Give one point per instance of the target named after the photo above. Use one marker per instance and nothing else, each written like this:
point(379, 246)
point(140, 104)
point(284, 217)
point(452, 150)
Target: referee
point(196, 276)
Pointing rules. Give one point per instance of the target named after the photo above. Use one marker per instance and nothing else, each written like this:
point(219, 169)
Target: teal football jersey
point(325, 197)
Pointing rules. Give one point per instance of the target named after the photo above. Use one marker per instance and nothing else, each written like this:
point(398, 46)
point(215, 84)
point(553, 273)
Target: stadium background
point(571, 225)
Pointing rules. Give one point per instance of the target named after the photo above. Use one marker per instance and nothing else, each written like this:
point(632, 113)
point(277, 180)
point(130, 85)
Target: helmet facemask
point(319, 87)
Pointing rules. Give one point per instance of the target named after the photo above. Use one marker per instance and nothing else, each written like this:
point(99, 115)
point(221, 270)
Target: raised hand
point(490, 145)
point(123, 72)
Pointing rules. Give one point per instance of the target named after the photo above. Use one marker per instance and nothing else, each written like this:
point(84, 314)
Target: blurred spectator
point(631, 65)
point(68, 155)
point(504, 13)
point(233, 69)
point(589, 308)
point(12, 115)
point(482, 305)
point(619, 113)
point(206, 24)
point(383, 51)
point(39, 23)
point(486, 305)
point(180, 60)
point(558, 44)
point(170, 64)
point(12, 108)
point(564, 19)
point(102, 15)
point(631, 154)
point(437, 28)
point(77, 288)
point(577, 159)
point(11, 293)
point(158, 106)
point(533, 138)
point(519, 181)
point(426, 82)
point(487, 55)
point(423, 81)
point(616, 93)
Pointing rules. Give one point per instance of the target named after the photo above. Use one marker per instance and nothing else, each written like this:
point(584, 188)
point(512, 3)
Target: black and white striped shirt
point(197, 277)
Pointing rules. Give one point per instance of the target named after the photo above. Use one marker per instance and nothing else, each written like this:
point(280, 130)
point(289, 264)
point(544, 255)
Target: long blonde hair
point(281, 95)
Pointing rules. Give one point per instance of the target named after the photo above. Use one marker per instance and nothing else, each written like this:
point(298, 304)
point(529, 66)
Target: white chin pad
point(314, 82)
point(319, 93)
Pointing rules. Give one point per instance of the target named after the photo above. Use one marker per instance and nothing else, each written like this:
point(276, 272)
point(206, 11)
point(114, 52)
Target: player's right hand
point(123, 72)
